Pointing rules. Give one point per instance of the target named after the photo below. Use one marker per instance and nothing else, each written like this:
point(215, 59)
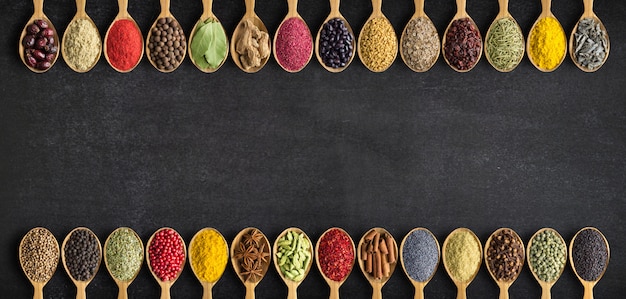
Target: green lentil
point(504, 44)
point(124, 254)
point(547, 255)
point(293, 255)
point(378, 44)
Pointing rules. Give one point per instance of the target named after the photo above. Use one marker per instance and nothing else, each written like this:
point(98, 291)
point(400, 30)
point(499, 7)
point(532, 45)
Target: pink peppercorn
point(167, 254)
point(294, 45)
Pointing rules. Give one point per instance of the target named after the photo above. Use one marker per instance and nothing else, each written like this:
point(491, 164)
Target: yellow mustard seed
point(378, 44)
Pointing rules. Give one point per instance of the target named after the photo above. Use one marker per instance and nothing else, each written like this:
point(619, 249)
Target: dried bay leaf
point(209, 46)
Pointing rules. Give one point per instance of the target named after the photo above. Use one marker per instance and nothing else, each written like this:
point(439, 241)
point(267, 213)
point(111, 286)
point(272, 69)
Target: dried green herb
point(209, 46)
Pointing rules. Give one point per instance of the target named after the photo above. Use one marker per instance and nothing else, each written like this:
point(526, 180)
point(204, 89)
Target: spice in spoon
point(81, 45)
point(208, 255)
point(167, 44)
point(293, 255)
point(547, 44)
point(505, 255)
point(208, 45)
point(462, 255)
point(590, 254)
point(378, 44)
point(166, 254)
point(463, 44)
point(252, 44)
point(336, 44)
point(253, 255)
point(420, 255)
point(294, 44)
point(82, 254)
point(39, 254)
point(124, 254)
point(335, 254)
point(40, 46)
point(378, 253)
point(590, 44)
point(504, 44)
point(124, 45)
point(547, 255)
point(420, 46)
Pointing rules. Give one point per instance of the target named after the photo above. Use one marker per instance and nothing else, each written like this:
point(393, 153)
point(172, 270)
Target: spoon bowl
point(263, 242)
point(207, 286)
point(292, 13)
point(122, 284)
point(80, 284)
point(165, 13)
point(333, 284)
point(503, 14)
point(545, 285)
point(81, 14)
point(334, 14)
point(461, 13)
point(461, 285)
point(419, 13)
point(122, 15)
point(588, 13)
point(165, 285)
point(503, 284)
point(376, 13)
point(206, 15)
point(38, 14)
point(251, 16)
point(292, 285)
point(545, 13)
point(38, 285)
point(588, 285)
point(373, 236)
point(419, 285)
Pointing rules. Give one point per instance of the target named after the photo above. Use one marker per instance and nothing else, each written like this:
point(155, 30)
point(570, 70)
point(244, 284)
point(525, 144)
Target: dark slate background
point(441, 150)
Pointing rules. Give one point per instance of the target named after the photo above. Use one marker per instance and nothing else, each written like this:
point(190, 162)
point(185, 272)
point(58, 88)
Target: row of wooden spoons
point(250, 15)
point(376, 283)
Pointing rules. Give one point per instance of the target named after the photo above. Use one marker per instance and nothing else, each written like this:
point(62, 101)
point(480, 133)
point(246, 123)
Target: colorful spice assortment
point(82, 254)
point(167, 44)
point(252, 253)
point(40, 45)
point(463, 45)
point(420, 255)
point(208, 255)
point(124, 45)
point(81, 45)
point(547, 255)
point(591, 44)
point(420, 44)
point(547, 44)
point(293, 45)
point(252, 45)
point(166, 254)
point(590, 254)
point(123, 252)
point(209, 45)
point(39, 254)
point(504, 44)
point(504, 255)
point(335, 254)
point(336, 44)
point(293, 255)
point(378, 44)
point(379, 253)
point(462, 255)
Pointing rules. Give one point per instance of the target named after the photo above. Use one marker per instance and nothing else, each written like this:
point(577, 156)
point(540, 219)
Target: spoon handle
point(334, 291)
point(461, 294)
point(545, 291)
point(38, 5)
point(123, 7)
point(334, 7)
point(165, 7)
point(546, 5)
point(377, 291)
point(38, 291)
point(460, 7)
point(292, 6)
point(165, 288)
point(588, 12)
point(419, 6)
point(207, 292)
point(419, 290)
point(377, 6)
point(504, 6)
point(504, 292)
point(292, 292)
point(588, 294)
point(249, 286)
point(80, 292)
point(122, 292)
point(249, 8)
point(80, 8)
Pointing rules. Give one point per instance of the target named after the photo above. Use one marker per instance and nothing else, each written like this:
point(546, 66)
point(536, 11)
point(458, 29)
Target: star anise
point(253, 238)
point(241, 251)
point(262, 255)
point(255, 273)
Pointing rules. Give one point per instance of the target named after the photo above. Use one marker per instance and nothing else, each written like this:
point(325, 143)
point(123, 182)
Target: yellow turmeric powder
point(547, 44)
point(208, 255)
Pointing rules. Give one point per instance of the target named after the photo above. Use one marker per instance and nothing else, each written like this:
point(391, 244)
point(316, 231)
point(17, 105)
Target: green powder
point(82, 45)
point(124, 254)
point(547, 255)
point(504, 44)
point(462, 255)
point(208, 45)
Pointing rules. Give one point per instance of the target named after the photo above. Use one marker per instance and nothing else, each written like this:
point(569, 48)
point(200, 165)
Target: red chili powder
point(167, 254)
point(124, 45)
point(294, 44)
point(336, 254)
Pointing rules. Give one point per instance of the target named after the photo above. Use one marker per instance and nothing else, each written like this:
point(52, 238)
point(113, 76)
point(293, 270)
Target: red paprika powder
point(166, 254)
point(124, 45)
point(336, 254)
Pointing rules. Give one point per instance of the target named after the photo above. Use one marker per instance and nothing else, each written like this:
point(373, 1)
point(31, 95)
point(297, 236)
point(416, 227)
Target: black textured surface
point(229, 150)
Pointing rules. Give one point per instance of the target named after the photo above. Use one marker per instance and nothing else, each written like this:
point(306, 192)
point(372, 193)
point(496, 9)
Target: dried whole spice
point(39, 254)
point(378, 44)
point(547, 255)
point(463, 45)
point(504, 44)
point(166, 254)
point(82, 254)
point(252, 253)
point(252, 45)
point(504, 255)
point(590, 254)
point(378, 253)
point(590, 44)
point(420, 255)
point(420, 44)
point(335, 254)
point(293, 255)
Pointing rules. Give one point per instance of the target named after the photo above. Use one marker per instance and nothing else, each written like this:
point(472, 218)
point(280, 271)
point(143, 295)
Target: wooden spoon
point(237, 34)
point(504, 14)
point(207, 286)
point(122, 284)
point(122, 15)
point(292, 13)
point(81, 285)
point(333, 284)
point(292, 286)
point(37, 15)
point(545, 13)
point(588, 13)
point(419, 285)
point(502, 284)
point(165, 285)
point(461, 285)
point(38, 285)
point(81, 14)
point(377, 284)
point(461, 13)
point(545, 285)
point(334, 13)
point(376, 13)
point(165, 13)
point(419, 13)
point(588, 285)
point(207, 14)
point(249, 284)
